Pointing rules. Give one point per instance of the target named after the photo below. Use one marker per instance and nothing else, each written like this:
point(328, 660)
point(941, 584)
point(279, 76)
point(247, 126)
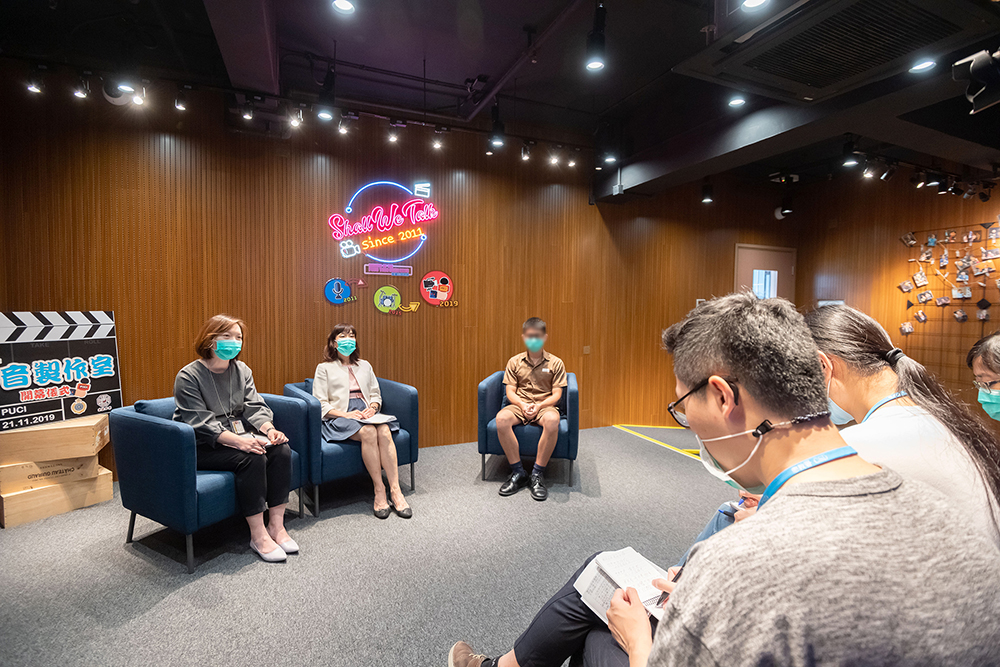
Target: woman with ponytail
point(905, 418)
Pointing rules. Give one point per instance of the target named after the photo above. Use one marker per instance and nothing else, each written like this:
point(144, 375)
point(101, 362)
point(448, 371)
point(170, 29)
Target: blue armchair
point(493, 396)
point(157, 466)
point(330, 461)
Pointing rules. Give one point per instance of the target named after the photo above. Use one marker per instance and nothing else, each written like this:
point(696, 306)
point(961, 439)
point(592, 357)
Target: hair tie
point(893, 356)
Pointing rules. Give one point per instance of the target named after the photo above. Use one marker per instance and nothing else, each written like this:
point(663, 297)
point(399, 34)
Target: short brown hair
point(330, 352)
point(216, 325)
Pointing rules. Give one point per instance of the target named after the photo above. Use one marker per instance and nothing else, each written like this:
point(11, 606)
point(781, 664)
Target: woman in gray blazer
point(347, 390)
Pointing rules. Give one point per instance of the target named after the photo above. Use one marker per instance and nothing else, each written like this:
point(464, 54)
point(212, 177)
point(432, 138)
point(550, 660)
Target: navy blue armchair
point(330, 461)
point(493, 396)
point(157, 466)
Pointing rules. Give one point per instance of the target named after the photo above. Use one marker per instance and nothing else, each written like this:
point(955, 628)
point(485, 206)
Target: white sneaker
point(275, 556)
point(289, 546)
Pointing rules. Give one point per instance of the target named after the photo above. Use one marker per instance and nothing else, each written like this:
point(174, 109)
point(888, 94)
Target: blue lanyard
point(890, 397)
point(802, 466)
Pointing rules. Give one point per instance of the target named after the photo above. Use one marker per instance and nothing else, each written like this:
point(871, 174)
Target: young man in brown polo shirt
point(535, 381)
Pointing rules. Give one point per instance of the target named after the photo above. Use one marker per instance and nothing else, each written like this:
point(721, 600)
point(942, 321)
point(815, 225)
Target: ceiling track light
point(139, 98)
point(943, 186)
point(181, 101)
point(247, 110)
point(737, 101)
point(956, 188)
point(344, 6)
point(571, 163)
point(933, 179)
point(35, 81)
point(82, 88)
point(786, 205)
point(751, 5)
point(890, 171)
point(295, 118)
point(327, 96)
point(707, 195)
point(985, 193)
point(497, 138)
point(970, 190)
point(922, 66)
point(850, 158)
point(342, 126)
point(595, 40)
point(526, 152)
point(919, 179)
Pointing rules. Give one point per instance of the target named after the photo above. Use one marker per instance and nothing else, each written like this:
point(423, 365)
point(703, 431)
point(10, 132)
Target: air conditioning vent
point(815, 50)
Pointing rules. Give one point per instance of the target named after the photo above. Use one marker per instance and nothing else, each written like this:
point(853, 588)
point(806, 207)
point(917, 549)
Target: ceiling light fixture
point(890, 171)
point(595, 40)
point(82, 88)
point(985, 194)
point(933, 179)
point(922, 66)
point(554, 159)
point(497, 139)
point(571, 163)
point(140, 97)
point(850, 158)
point(344, 6)
point(342, 126)
point(525, 152)
point(393, 136)
point(295, 118)
point(970, 190)
point(870, 167)
point(181, 102)
point(750, 5)
point(786, 205)
point(35, 84)
point(706, 192)
point(327, 97)
point(919, 179)
point(943, 186)
point(737, 101)
point(247, 110)
point(436, 144)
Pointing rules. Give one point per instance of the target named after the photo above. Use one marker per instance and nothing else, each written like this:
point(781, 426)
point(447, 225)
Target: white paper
point(612, 570)
point(378, 419)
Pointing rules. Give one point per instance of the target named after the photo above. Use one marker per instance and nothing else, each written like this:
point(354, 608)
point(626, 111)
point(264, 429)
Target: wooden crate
point(16, 477)
point(34, 504)
point(51, 442)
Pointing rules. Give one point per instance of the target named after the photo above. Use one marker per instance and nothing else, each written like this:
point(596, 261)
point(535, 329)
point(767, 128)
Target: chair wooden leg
point(131, 528)
point(484, 467)
point(413, 486)
point(190, 552)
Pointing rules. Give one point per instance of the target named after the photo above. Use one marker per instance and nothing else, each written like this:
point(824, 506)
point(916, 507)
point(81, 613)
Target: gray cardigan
point(203, 398)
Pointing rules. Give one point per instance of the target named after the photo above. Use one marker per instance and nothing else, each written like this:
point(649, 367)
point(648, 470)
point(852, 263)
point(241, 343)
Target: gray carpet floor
point(470, 565)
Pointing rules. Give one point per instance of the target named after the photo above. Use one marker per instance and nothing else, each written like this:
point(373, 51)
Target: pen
point(664, 595)
point(729, 514)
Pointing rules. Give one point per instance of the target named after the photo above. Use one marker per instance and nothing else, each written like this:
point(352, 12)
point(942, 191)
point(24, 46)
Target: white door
point(766, 270)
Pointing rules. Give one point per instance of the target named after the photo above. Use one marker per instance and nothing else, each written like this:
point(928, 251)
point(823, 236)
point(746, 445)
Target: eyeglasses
point(677, 412)
point(986, 386)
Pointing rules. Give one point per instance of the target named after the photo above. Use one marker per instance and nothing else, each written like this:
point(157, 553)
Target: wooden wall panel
point(168, 218)
point(849, 249)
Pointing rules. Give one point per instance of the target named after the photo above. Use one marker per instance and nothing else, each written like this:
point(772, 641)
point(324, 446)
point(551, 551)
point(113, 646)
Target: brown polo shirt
point(534, 383)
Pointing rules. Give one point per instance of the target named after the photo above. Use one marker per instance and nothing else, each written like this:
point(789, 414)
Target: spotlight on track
point(344, 6)
point(871, 167)
point(889, 172)
point(36, 83)
point(139, 96)
point(850, 157)
point(571, 163)
point(986, 193)
point(737, 101)
point(181, 101)
point(497, 138)
point(396, 126)
point(933, 179)
point(82, 88)
point(922, 66)
point(247, 110)
point(786, 206)
point(554, 159)
point(327, 96)
point(595, 40)
point(970, 190)
point(956, 188)
point(750, 5)
point(944, 185)
point(437, 144)
point(295, 118)
point(982, 71)
point(707, 196)
point(438, 141)
point(919, 179)
point(126, 85)
point(342, 126)
point(489, 151)
point(526, 151)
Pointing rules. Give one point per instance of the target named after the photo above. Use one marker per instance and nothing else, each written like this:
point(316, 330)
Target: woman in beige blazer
point(347, 390)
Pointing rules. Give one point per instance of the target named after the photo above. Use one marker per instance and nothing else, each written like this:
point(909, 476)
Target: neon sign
point(378, 225)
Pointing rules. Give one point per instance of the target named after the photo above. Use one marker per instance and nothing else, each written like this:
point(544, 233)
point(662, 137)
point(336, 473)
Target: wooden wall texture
point(849, 249)
point(168, 218)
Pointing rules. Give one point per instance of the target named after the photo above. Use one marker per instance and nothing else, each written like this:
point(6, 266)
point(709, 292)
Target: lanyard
point(802, 466)
point(890, 397)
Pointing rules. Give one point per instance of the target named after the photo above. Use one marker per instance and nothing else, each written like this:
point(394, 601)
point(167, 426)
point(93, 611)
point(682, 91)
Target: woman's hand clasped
point(249, 444)
point(355, 414)
point(368, 413)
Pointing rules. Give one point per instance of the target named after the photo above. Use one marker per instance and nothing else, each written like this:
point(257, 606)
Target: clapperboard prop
point(56, 366)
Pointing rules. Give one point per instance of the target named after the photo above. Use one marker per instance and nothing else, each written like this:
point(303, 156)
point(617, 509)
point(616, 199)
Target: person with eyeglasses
point(844, 562)
point(984, 360)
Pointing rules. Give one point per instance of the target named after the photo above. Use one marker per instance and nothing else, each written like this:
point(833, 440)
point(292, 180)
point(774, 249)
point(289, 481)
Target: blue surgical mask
point(838, 415)
point(990, 403)
point(227, 349)
point(534, 344)
point(713, 467)
point(346, 346)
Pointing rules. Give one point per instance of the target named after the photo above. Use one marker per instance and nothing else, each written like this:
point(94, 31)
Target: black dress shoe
point(538, 490)
point(404, 513)
point(514, 483)
point(383, 513)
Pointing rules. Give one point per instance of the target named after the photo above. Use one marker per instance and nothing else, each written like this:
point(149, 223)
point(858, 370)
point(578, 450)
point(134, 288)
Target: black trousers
point(567, 628)
point(262, 480)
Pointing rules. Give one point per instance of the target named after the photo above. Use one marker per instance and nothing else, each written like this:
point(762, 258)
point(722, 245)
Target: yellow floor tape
point(690, 453)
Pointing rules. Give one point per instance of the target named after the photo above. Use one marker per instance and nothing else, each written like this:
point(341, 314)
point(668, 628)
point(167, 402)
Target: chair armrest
point(573, 413)
point(291, 417)
point(401, 400)
point(314, 431)
point(490, 399)
point(157, 462)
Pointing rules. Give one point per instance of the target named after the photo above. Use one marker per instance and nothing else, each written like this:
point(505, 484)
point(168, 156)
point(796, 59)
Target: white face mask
point(838, 415)
point(712, 466)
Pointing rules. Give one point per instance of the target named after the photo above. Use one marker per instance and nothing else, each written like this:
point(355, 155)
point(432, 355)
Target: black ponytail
point(864, 345)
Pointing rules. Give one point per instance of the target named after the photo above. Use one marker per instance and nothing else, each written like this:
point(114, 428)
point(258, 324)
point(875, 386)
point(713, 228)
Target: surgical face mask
point(534, 344)
point(713, 467)
point(838, 415)
point(227, 349)
point(346, 346)
point(990, 403)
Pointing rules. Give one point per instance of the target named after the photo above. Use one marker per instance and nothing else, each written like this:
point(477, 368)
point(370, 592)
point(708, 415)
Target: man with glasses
point(984, 360)
point(836, 566)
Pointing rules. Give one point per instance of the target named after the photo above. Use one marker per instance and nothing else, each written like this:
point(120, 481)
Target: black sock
point(538, 470)
point(517, 467)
